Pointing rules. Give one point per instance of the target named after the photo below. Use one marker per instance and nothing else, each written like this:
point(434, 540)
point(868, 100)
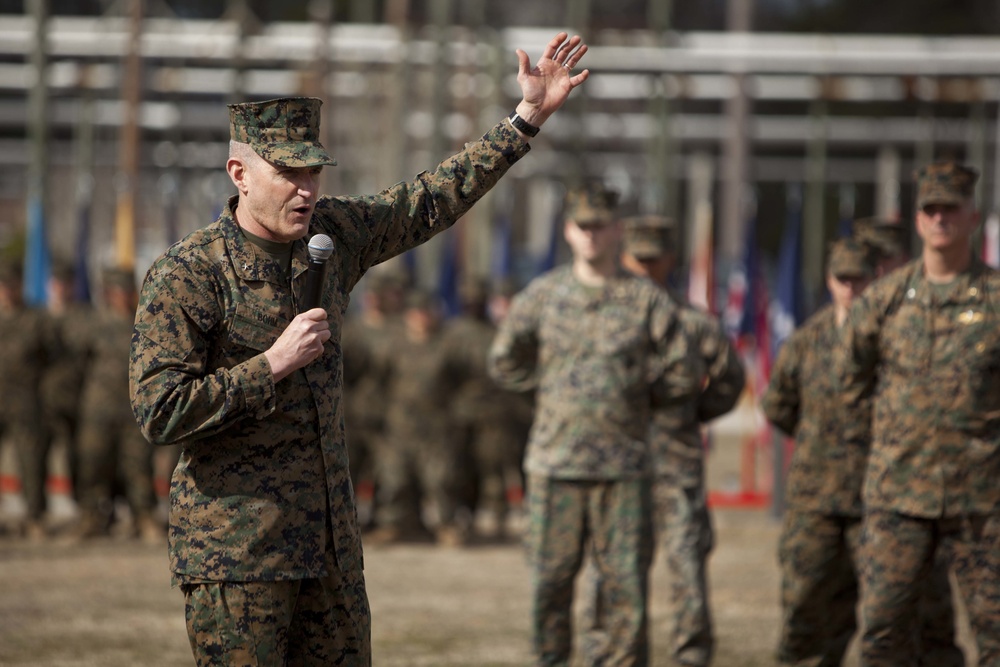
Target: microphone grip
point(313, 293)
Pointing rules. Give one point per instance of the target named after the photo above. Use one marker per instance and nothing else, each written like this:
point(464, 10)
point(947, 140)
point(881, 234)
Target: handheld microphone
point(320, 248)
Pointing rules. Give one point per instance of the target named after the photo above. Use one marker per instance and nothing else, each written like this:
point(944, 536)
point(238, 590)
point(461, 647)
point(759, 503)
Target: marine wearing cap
point(283, 131)
point(887, 238)
point(948, 183)
point(648, 236)
point(849, 258)
point(591, 205)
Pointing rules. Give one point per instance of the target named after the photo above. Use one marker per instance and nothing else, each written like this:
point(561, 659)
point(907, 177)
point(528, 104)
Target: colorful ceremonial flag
point(701, 276)
point(448, 279)
point(81, 268)
point(787, 309)
point(548, 260)
point(37, 262)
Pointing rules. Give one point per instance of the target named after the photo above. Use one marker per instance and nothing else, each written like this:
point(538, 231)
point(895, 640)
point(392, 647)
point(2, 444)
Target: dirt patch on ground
point(109, 603)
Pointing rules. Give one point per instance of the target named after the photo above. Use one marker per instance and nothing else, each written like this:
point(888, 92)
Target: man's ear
point(237, 174)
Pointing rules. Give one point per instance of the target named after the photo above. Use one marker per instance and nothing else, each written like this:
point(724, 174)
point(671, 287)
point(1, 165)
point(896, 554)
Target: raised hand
point(545, 87)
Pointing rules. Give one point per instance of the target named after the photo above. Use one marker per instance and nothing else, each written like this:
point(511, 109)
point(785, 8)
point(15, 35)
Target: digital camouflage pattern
point(887, 237)
point(416, 460)
point(599, 359)
point(648, 236)
point(262, 489)
point(590, 205)
point(591, 354)
point(111, 445)
point(492, 423)
point(22, 358)
point(284, 131)
point(945, 183)
point(683, 525)
point(314, 620)
point(898, 551)
point(821, 525)
point(850, 258)
point(613, 517)
point(675, 435)
point(930, 354)
point(804, 399)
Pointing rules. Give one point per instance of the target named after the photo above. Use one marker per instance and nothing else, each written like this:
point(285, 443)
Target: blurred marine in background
point(923, 344)
point(598, 344)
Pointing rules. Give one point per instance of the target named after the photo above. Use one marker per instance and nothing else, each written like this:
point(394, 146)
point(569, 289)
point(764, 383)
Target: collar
point(249, 262)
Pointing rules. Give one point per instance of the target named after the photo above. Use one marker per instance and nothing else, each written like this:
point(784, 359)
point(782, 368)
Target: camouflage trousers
point(684, 533)
point(114, 450)
point(610, 520)
point(899, 551)
point(411, 473)
point(819, 556)
point(32, 451)
point(298, 623)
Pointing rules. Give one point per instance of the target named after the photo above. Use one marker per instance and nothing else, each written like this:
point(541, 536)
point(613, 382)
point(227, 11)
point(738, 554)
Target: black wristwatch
point(522, 125)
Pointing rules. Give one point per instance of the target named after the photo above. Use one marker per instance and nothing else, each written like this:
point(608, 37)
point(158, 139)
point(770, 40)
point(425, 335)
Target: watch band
point(520, 124)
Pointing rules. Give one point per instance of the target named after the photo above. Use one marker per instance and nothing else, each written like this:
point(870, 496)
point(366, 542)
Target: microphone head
point(320, 248)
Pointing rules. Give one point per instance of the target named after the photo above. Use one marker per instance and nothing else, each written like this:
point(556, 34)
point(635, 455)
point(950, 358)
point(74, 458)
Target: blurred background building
point(738, 118)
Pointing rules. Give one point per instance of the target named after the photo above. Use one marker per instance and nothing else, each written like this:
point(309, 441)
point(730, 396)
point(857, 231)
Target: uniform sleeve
point(859, 354)
point(381, 226)
point(782, 401)
point(725, 375)
point(674, 375)
point(513, 358)
point(176, 396)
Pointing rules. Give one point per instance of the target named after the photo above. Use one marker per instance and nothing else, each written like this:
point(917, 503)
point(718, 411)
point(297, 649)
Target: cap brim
point(298, 154)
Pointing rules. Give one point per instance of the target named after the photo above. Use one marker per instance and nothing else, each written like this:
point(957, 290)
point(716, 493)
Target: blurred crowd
point(435, 446)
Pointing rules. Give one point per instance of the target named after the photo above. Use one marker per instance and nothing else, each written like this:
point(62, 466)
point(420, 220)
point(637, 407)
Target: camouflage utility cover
point(930, 355)
point(284, 131)
point(851, 259)
point(945, 183)
point(886, 237)
point(262, 489)
point(595, 356)
point(590, 205)
point(648, 236)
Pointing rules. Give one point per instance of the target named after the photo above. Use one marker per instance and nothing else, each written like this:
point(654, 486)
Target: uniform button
point(980, 347)
point(973, 291)
point(910, 293)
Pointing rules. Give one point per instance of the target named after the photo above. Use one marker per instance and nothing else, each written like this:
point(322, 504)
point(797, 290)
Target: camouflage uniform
point(416, 460)
point(491, 422)
point(112, 450)
point(262, 492)
point(22, 359)
point(367, 343)
point(822, 524)
point(591, 352)
point(930, 355)
point(64, 373)
point(683, 523)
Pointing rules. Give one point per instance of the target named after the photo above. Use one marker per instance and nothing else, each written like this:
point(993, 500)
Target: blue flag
point(548, 260)
point(448, 281)
point(37, 262)
point(81, 270)
point(787, 308)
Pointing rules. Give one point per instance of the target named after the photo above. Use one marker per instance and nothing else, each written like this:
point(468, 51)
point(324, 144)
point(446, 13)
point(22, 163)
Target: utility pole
point(661, 190)
point(36, 250)
point(736, 151)
point(128, 159)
